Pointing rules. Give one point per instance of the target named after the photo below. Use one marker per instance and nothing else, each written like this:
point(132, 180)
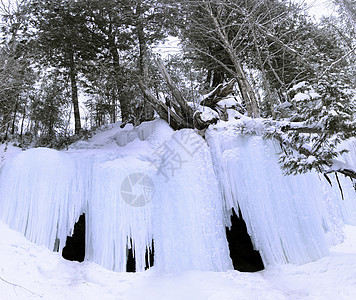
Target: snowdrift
point(136, 185)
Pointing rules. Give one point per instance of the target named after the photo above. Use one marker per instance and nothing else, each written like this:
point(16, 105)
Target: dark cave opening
point(243, 256)
point(149, 259)
point(74, 249)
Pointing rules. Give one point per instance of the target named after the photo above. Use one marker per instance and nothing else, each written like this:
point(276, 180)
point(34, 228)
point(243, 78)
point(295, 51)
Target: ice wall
point(184, 215)
point(291, 219)
point(134, 185)
point(113, 224)
point(37, 189)
point(350, 156)
point(188, 228)
point(148, 182)
point(346, 197)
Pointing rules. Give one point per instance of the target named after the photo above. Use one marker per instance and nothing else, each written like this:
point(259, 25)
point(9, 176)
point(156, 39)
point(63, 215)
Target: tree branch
point(19, 286)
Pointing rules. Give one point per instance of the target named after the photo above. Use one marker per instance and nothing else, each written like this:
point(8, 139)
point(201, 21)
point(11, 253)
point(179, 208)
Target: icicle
point(37, 192)
point(188, 214)
point(116, 216)
point(288, 217)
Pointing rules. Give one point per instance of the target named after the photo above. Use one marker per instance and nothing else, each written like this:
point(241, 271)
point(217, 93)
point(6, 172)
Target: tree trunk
point(74, 93)
point(245, 87)
point(125, 105)
point(148, 111)
point(23, 119)
point(247, 92)
point(164, 111)
point(178, 99)
point(14, 118)
point(113, 110)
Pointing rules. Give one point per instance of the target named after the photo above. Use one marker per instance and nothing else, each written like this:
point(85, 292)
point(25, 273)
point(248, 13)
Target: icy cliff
point(37, 193)
point(136, 185)
point(291, 219)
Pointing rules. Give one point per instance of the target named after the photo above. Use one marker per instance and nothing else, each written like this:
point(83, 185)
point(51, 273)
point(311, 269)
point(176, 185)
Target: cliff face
point(136, 185)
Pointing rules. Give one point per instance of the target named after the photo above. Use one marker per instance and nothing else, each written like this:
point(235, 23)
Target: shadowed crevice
point(243, 256)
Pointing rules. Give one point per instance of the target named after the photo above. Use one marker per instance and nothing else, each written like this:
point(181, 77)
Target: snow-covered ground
point(29, 271)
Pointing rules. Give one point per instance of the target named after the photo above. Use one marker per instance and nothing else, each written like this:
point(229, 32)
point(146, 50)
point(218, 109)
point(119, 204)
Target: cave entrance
point(243, 256)
point(75, 245)
point(149, 258)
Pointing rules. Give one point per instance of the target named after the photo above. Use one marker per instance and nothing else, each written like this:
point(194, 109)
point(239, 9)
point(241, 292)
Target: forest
point(71, 66)
point(190, 149)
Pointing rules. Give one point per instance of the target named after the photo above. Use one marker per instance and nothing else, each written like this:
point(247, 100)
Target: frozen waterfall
point(40, 196)
point(136, 185)
point(291, 219)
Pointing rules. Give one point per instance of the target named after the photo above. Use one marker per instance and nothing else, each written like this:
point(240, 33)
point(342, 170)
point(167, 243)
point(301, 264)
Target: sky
point(319, 8)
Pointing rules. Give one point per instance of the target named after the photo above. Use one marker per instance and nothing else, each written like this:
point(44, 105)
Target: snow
point(314, 95)
point(7, 153)
point(34, 272)
point(228, 102)
point(299, 85)
point(207, 114)
point(301, 97)
point(284, 105)
point(349, 158)
point(311, 159)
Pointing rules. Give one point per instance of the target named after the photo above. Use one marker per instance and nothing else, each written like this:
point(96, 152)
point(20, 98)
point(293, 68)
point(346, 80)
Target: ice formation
point(37, 191)
point(189, 230)
point(134, 185)
point(149, 183)
point(291, 219)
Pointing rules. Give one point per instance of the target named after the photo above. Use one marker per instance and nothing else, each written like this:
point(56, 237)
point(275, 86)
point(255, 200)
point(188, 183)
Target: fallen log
point(221, 91)
point(164, 111)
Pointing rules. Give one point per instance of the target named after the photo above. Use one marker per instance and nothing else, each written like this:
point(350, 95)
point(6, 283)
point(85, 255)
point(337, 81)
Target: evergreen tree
point(63, 40)
point(17, 76)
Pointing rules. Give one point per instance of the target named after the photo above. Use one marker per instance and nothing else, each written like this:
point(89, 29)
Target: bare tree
point(349, 7)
